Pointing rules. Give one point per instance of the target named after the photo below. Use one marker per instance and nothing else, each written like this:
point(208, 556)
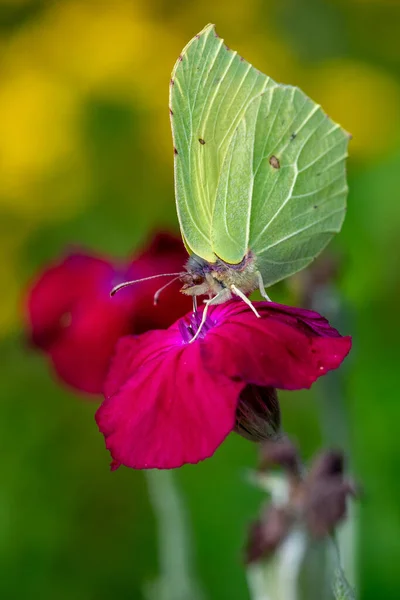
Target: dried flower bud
point(327, 464)
point(317, 501)
point(282, 453)
point(325, 494)
point(258, 416)
point(267, 533)
point(325, 506)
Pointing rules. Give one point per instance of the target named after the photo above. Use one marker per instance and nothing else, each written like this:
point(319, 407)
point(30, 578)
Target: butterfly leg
point(218, 299)
point(262, 288)
point(239, 293)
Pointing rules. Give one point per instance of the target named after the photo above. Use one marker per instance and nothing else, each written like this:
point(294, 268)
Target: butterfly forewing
point(211, 88)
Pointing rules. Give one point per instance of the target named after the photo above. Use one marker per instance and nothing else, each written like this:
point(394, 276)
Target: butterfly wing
point(211, 89)
point(282, 191)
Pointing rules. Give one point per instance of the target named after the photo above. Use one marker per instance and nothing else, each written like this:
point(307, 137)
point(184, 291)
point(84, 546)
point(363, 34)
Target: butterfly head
point(198, 278)
point(205, 278)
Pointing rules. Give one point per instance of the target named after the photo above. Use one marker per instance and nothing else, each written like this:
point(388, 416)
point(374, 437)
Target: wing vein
point(293, 234)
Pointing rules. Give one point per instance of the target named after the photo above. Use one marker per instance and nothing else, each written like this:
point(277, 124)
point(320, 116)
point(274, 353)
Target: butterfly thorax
point(206, 278)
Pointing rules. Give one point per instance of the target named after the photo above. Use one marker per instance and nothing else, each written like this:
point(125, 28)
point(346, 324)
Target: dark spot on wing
point(274, 162)
point(170, 112)
point(180, 58)
point(175, 151)
point(197, 36)
point(172, 82)
point(315, 205)
point(293, 136)
point(202, 142)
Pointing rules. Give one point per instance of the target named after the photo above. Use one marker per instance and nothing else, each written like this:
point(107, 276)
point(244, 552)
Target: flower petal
point(163, 407)
point(82, 355)
point(286, 348)
point(56, 291)
point(165, 253)
point(73, 318)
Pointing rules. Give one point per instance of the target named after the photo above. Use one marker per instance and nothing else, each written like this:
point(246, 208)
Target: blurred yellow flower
point(230, 18)
point(94, 46)
point(100, 48)
point(12, 3)
point(125, 50)
point(38, 140)
point(380, 3)
point(364, 100)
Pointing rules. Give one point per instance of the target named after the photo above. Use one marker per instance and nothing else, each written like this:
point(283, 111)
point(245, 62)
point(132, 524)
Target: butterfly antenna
point(120, 286)
point(158, 292)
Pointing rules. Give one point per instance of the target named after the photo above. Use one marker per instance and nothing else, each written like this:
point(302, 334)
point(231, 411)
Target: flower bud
point(267, 533)
point(282, 453)
point(258, 415)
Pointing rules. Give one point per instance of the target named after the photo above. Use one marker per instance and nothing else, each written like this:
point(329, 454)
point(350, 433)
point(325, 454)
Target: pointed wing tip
point(209, 27)
point(205, 31)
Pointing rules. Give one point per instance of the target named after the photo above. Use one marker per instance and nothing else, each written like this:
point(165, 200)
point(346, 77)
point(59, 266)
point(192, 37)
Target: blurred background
point(86, 158)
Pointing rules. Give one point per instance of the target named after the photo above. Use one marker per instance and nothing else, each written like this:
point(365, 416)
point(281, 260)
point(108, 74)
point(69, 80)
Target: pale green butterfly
point(260, 178)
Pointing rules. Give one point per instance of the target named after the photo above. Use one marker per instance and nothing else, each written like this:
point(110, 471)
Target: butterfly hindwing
point(284, 184)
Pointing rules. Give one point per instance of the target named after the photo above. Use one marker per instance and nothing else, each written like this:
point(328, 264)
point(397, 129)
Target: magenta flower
point(170, 402)
point(72, 317)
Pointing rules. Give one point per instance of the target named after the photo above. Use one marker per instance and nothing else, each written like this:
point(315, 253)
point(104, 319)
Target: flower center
point(188, 327)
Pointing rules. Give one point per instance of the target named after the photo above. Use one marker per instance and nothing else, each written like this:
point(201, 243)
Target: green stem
point(334, 426)
point(256, 582)
point(278, 577)
point(341, 588)
point(291, 556)
point(177, 580)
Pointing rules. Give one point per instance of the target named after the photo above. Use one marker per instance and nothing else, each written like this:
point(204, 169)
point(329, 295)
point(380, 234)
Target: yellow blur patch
point(364, 100)
point(38, 142)
point(92, 46)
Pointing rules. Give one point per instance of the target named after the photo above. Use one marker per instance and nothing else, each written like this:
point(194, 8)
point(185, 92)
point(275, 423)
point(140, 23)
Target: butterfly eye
point(197, 279)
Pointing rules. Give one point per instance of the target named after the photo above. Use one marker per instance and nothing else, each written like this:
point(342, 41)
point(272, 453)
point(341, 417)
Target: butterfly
point(260, 178)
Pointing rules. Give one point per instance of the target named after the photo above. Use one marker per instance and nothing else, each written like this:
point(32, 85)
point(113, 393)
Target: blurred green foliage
point(86, 158)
